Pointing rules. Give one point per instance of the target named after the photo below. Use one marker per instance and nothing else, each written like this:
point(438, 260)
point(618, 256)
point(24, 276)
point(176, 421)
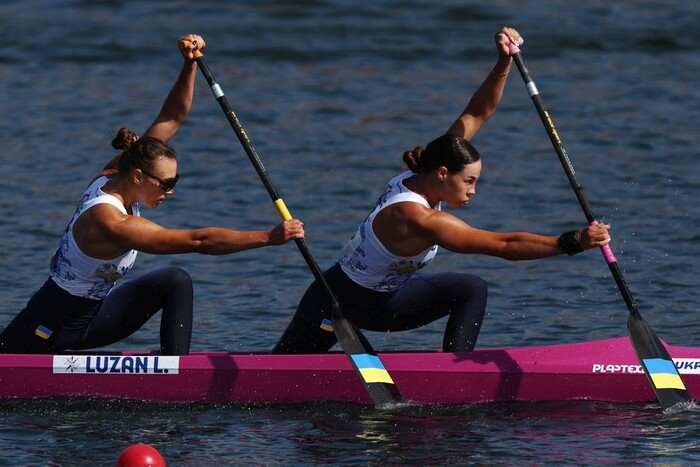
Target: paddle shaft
point(353, 343)
point(262, 173)
point(571, 175)
point(646, 344)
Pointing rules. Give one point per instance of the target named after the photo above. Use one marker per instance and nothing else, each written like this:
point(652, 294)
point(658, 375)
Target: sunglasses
point(166, 185)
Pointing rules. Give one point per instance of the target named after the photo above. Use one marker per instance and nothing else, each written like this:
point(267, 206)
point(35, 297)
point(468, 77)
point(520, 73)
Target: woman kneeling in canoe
point(374, 280)
point(78, 307)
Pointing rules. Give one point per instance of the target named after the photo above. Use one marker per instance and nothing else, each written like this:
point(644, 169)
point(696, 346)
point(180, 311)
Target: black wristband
point(568, 241)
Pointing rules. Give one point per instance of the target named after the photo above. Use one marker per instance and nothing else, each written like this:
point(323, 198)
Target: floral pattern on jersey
point(109, 273)
point(399, 272)
point(60, 264)
point(354, 261)
point(386, 195)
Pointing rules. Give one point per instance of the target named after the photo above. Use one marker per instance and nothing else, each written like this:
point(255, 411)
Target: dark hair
point(451, 151)
point(139, 153)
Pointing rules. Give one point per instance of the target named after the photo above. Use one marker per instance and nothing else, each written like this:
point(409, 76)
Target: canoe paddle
point(655, 359)
point(364, 359)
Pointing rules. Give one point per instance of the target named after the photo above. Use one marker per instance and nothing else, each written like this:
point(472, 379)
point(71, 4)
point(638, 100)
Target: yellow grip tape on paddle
point(183, 44)
point(282, 208)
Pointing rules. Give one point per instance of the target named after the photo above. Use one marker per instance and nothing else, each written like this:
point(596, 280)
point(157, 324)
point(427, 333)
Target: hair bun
point(125, 138)
point(412, 159)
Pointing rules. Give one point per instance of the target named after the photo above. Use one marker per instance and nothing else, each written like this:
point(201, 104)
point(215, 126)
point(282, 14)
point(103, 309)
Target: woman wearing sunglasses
point(78, 307)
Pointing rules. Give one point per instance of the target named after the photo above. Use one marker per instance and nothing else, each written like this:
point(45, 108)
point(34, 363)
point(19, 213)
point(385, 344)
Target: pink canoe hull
point(605, 370)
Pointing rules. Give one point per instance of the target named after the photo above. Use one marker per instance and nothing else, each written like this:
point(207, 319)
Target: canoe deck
point(604, 370)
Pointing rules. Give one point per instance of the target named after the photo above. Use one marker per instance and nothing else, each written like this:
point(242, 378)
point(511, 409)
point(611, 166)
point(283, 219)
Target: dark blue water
point(331, 93)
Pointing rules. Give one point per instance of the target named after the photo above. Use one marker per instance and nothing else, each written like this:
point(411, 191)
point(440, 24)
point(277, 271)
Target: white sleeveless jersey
point(365, 259)
point(82, 275)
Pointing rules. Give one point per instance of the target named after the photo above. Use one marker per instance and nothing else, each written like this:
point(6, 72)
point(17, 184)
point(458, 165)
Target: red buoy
point(140, 455)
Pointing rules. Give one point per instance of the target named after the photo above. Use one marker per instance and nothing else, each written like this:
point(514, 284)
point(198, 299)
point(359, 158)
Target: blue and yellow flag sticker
point(43, 332)
point(663, 374)
point(371, 369)
point(327, 325)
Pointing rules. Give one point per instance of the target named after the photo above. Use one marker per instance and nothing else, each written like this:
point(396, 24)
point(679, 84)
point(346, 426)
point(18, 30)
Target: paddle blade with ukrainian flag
point(364, 359)
point(657, 363)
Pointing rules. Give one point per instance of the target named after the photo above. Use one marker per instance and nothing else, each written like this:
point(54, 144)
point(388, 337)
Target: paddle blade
point(657, 363)
point(364, 359)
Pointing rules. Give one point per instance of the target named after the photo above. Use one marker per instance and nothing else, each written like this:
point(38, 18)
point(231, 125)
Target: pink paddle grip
point(513, 47)
point(607, 251)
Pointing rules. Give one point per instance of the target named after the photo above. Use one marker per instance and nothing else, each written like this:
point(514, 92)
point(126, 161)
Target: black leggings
point(423, 299)
point(79, 323)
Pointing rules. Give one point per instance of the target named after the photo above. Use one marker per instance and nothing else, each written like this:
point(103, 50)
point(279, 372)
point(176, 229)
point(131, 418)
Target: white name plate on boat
point(116, 364)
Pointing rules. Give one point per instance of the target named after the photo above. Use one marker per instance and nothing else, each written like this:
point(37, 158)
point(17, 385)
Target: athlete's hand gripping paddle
point(655, 359)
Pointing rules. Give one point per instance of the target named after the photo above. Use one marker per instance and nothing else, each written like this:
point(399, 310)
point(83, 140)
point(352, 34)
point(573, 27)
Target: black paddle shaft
point(351, 340)
point(571, 175)
point(260, 169)
point(646, 344)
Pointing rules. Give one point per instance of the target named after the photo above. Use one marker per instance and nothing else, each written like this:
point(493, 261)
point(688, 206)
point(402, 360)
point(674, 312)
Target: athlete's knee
point(477, 285)
point(178, 276)
point(469, 287)
point(176, 280)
